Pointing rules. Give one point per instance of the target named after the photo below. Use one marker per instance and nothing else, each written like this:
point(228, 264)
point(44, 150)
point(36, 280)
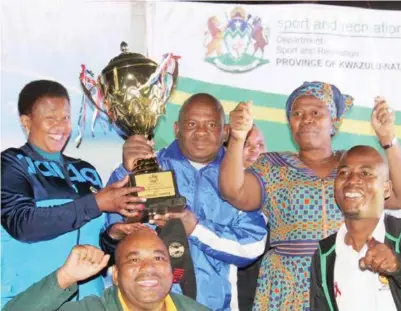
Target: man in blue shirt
point(221, 238)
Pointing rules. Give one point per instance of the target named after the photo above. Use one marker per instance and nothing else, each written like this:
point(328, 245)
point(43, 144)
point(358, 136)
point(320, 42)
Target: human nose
point(254, 150)
point(62, 122)
point(307, 118)
point(353, 178)
point(201, 130)
point(148, 265)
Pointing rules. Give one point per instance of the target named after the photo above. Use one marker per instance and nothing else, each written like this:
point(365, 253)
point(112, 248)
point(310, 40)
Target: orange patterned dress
point(301, 211)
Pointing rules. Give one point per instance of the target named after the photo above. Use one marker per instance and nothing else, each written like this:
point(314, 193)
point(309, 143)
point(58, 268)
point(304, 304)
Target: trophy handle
point(88, 94)
point(88, 83)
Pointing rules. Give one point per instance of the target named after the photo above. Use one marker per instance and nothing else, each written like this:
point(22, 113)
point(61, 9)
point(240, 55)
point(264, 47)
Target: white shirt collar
point(357, 289)
point(197, 165)
point(378, 234)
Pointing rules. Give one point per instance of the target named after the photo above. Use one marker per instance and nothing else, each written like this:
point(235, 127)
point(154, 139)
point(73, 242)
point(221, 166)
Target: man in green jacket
point(359, 267)
point(142, 279)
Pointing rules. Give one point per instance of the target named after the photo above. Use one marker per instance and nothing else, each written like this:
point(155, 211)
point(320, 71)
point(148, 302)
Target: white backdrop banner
point(256, 52)
point(263, 52)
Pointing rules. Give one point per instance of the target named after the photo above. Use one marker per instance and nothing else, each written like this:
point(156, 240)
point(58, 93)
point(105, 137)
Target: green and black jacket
point(322, 270)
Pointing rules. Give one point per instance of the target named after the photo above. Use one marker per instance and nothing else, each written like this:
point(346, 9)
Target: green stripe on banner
point(228, 93)
point(269, 115)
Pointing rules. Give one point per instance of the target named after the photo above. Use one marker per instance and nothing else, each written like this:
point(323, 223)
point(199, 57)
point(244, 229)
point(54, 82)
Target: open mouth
point(353, 195)
point(148, 283)
point(56, 137)
point(252, 159)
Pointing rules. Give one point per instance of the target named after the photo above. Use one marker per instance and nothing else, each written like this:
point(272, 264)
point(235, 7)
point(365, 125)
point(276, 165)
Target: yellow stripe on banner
point(278, 116)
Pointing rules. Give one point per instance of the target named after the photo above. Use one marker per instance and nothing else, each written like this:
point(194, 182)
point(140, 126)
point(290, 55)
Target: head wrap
point(337, 103)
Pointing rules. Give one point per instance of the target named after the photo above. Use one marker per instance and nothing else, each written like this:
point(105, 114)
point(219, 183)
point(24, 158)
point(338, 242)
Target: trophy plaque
point(134, 92)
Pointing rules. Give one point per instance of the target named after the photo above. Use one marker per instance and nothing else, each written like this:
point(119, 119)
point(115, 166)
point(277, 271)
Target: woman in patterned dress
point(295, 191)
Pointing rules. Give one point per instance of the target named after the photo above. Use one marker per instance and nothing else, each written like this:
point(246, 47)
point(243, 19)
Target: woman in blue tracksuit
point(49, 202)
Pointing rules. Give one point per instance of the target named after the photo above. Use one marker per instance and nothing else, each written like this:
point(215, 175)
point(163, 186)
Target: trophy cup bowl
point(135, 91)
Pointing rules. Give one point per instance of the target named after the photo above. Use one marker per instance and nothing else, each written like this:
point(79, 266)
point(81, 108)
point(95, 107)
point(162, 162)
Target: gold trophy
point(133, 91)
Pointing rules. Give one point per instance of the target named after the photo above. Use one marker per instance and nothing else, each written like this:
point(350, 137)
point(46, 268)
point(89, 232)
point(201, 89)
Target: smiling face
point(142, 271)
point(361, 184)
point(310, 123)
point(200, 129)
point(49, 124)
point(254, 146)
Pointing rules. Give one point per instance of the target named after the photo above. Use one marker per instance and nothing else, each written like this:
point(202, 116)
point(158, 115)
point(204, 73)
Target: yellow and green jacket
point(46, 295)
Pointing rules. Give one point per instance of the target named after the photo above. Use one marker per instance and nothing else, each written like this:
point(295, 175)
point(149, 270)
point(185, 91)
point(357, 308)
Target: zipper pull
point(93, 189)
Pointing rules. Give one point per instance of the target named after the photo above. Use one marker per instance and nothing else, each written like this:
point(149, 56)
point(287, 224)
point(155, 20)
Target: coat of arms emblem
point(239, 44)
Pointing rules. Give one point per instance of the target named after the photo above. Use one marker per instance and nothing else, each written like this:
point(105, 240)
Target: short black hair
point(37, 89)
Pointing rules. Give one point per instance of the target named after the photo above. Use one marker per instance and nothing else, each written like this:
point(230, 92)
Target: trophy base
point(161, 190)
point(160, 207)
point(164, 206)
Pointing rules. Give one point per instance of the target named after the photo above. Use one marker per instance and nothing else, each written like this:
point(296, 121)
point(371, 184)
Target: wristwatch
point(392, 143)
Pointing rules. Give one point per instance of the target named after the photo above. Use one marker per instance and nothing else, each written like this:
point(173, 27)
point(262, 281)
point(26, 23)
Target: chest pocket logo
point(384, 282)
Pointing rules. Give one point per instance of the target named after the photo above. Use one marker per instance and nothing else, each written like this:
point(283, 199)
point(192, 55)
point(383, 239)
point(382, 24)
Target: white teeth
point(353, 195)
point(148, 283)
point(56, 137)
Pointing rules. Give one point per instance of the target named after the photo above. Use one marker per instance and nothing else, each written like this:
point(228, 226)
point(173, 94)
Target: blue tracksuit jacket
point(46, 209)
point(224, 239)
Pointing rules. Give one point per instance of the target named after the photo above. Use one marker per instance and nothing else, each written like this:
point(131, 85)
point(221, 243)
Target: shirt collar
point(378, 234)
point(170, 306)
point(54, 156)
point(168, 301)
point(380, 230)
point(197, 165)
point(34, 154)
point(173, 151)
